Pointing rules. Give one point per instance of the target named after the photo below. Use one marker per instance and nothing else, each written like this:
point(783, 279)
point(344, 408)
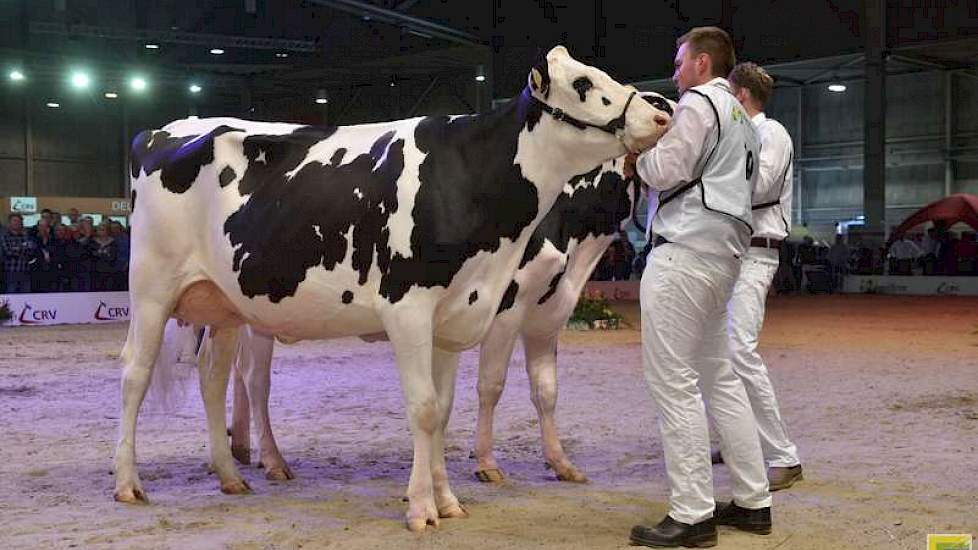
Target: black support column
point(874, 119)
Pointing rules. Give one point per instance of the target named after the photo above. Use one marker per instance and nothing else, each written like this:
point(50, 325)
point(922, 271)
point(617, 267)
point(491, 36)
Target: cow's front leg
point(541, 367)
point(215, 368)
point(494, 356)
point(409, 328)
point(444, 371)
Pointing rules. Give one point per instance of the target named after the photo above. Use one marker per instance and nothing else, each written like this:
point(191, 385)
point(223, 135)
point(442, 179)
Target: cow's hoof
point(236, 487)
point(571, 475)
point(490, 475)
point(131, 495)
point(279, 474)
point(241, 454)
point(419, 517)
point(455, 510)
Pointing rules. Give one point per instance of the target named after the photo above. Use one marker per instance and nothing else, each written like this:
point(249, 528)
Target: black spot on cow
point(587, 176)
point(530, 110)
point(132, 201)
point(509, 298)
point(593, 210)
point(279, 154)
point(659, 103)
point(551, 289)
point(227, 176)
point(472, 195)
point(582, 85)
point(347, 297)
point(291, 225)
point(605, 101)
point(178, 159)
point(337, 157)
point(473, 297)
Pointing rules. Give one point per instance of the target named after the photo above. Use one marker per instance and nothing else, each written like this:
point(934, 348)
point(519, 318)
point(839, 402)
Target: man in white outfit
point(701, 176)
point(772, 222)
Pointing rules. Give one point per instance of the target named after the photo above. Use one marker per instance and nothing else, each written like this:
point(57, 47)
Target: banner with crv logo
point(60, 308)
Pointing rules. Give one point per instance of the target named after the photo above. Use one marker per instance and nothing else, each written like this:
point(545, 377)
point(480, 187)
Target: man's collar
point(759, 118)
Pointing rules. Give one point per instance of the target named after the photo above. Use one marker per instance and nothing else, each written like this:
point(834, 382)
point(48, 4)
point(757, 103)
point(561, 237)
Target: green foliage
point(592, 307)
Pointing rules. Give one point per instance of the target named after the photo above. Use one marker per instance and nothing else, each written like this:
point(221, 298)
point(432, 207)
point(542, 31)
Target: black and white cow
point(414, 228)
point(559, 260)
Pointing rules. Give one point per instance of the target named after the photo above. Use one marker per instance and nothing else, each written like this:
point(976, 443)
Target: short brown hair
point(714, 42)
point(754, 78)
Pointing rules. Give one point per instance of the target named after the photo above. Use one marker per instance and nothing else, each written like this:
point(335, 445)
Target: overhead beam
point(399, 19)
point(854, 61)
point(405, 5)
point(874, 120)
point(173, 37)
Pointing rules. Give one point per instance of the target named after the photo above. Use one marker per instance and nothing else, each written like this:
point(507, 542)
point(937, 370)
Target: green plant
point(593, 306)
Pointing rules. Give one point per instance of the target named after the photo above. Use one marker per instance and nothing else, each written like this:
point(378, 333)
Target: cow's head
point(599, 112)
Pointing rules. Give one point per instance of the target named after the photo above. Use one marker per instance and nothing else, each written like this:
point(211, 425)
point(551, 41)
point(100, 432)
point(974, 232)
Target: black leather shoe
point(670, 533)
point(753, 521)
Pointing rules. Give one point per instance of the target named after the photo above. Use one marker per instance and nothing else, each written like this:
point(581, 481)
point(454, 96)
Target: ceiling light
point(152, 46)
point(217, 51)
point(195, 88)
point(16, 75)
point(53, 105)
point(80, 80)
point(111, 95)
point(321, 97)
point(480, 74)
point(837, 88)
point(137, 83)
point(281, 55)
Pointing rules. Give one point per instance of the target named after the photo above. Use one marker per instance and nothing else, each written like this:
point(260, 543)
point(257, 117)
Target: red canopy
point(953, 209)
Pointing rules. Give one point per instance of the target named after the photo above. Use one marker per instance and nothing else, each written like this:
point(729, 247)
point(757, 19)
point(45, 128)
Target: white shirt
point(679, 157)
point(904, 250)
point(775, 173)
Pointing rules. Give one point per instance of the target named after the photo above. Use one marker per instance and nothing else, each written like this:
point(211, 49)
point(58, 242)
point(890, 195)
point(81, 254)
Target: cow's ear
point(540, 77)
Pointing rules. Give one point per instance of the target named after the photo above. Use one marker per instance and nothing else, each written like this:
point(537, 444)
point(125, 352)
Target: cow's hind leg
point(410, 332)
point(255, 366)
point(215, 368)
point(541, 366)
point(444, 371)
point(149, 316)
point(494, 355)
point(240, 430)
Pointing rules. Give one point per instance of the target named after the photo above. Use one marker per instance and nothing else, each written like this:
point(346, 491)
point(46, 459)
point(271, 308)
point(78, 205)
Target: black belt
point(764, 242)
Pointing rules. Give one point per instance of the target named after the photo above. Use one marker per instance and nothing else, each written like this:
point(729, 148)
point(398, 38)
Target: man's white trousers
point(686, 357)
point(746, 311)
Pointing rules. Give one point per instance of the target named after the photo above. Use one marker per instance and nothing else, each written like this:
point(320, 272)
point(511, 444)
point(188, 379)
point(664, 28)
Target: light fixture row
point(81, 80)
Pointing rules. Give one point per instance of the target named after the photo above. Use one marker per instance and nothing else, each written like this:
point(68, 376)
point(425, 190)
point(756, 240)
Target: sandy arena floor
point(881, 395)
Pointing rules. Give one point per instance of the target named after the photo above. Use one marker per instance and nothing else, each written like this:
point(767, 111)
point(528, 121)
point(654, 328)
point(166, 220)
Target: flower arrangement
point(593, 312)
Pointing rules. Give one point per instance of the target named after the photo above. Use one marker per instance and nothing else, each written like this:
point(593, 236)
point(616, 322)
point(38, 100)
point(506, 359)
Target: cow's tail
point(173, 373)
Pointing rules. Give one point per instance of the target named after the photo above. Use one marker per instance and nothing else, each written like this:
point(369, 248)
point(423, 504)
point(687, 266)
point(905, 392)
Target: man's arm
point(774, 158)
point(673, 160)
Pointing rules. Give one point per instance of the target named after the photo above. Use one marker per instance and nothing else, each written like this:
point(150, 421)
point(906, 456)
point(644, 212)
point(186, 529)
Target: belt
point(764, 242)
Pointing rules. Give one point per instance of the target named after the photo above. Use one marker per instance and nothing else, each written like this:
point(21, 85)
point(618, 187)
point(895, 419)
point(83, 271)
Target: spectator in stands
point(55, 221)
point(104, 251)
point(967, 254)
point(928, 250)
point(122, 257)
point(76, 265)
point(903, 253)
point(45, 217)
point(59, 258)
point(622, 255)
point(73, 216)
point(838, 259)
point(45, 273)
point(19, 255)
